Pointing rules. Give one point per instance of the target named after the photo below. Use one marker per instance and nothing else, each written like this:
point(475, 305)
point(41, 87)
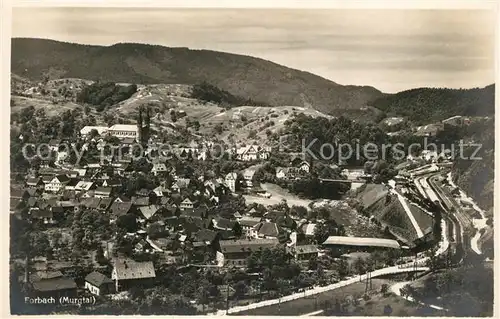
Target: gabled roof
point(119, 209)
point(103, 190)
point(41, 213)
point(105, 203)
point(205, 235)
point(113, 182)
point(32, 191)
point(140, 201)
point(249, 221)
point(62, 178)
point(267, 229)
point(130, 269)
point(231, 176)
point(33, 181)
point(143, 192)
point(55, 284)
point(148, 211)
point(182, 182)
point(91, 202)
point(97, 279)
point(18, 192)
point(15, 203)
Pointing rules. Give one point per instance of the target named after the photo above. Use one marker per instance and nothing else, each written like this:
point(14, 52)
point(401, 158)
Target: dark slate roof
point(57, 209)
point(97, 279)
point(192, 213)
point(63, 178)
point(55, 284)
point(105, 203)
point(41, 213)
point(15, 203)
point(227, 234)
point(205, 235)
point(130, 269)
point(91, 202)
point(113, 182)
point(32, 201)
point(73, 181)
point(119, 209)
point(143, 192)
point(267, 229)
point(17, 192)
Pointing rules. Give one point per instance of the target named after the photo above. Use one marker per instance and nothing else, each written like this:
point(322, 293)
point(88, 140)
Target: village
point(106, 226)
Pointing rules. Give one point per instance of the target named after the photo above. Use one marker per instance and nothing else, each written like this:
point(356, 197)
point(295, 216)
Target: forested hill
point(476, 177)
point(427, 105)
point(243, 76)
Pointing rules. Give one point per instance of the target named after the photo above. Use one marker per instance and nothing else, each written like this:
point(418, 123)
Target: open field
point(277, 195)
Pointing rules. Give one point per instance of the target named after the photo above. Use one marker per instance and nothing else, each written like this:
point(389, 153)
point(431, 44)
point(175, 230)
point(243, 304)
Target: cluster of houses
point(297, 168)
point(185, 212)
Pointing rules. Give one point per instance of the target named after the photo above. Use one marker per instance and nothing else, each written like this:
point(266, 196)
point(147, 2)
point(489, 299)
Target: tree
point(343, 267)
point(203, 293)
point(240, 289)
point(156, 230)
point(127, 222)
point(99, 256)
point(360, 266)
point(299, 211)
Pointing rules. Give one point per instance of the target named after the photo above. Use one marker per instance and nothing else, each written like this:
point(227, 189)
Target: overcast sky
point(392, 50)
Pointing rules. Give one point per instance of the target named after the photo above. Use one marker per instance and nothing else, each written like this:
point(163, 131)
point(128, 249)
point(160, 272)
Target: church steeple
point(139, 126)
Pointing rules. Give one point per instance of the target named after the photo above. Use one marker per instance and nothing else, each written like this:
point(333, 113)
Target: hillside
point(244, 76)
point(242, 124)
point(427, 105)
point(476, 177)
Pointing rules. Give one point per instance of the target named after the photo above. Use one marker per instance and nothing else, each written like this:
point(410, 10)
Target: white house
point(230, 181)
point(98, 284)
point(124, 131)
point(282, 172)
point(186, 204)
point(57, 183)
point(158, 168)
point(84, 186)
point(305, 166)
point(248, 176)
point(87, 129)
point(248, 153)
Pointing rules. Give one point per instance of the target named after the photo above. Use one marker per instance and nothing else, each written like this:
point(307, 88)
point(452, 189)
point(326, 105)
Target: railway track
point(459, 222)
